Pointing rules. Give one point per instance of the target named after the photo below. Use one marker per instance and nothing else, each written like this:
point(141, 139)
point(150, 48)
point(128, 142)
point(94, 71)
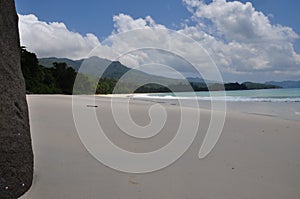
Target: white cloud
point(239, 22)
point(123, 23)
point(145, 43)
point(241, 40)
point(54, 39)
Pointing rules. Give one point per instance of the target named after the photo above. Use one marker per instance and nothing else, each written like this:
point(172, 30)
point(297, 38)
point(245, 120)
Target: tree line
point(60, 79)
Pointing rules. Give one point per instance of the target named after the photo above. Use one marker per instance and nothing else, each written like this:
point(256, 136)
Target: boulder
point(16, 156)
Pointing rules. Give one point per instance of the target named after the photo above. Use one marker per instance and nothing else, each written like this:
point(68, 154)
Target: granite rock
point(16, 156)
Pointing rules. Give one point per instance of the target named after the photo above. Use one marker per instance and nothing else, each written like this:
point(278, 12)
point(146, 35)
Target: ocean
point(281, 103)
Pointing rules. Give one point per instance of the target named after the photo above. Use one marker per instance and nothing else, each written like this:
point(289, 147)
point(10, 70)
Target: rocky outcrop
point(16, 157)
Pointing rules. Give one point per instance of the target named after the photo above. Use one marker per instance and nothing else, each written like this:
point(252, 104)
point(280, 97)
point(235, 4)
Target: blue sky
point(96, 16)
point(93, 21)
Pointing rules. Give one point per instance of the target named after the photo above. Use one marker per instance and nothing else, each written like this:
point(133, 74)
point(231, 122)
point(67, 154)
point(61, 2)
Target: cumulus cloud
point(239, 22)
point(241, 41)
point(247, 45)
point(143, 43)
point(123, 22)
point(54, 39)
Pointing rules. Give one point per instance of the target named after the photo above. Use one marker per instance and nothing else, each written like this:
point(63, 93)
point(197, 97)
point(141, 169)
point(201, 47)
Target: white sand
point(257, 157)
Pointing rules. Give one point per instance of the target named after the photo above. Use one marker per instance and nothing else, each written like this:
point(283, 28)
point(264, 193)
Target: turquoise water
point(281, 103)
point(265, 95)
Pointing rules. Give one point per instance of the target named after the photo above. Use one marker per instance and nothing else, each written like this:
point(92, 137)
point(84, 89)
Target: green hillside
point(110, 70)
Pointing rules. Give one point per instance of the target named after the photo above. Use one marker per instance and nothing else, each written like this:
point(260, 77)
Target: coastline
point(280, 110)
point(256, 156)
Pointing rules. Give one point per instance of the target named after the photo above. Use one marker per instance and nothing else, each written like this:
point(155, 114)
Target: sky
point(254, 40)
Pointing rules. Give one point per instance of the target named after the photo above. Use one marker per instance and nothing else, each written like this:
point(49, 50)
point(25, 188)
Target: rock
point(16, 156)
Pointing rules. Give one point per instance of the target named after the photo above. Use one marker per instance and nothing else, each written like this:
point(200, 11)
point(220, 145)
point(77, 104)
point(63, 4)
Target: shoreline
point(279, 110)
point(243, 107)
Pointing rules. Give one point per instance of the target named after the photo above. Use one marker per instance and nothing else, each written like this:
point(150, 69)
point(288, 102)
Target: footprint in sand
point(132, 181)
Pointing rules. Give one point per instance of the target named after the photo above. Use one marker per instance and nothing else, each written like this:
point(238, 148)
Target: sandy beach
point(256, 157)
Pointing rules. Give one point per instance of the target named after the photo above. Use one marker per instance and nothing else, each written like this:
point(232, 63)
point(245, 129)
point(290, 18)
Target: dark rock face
point(16, 156)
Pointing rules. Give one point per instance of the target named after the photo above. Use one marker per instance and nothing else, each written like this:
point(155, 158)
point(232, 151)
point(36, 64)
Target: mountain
point(252, 85)
point(286, 84)
point(201, 81)
point(48, 62)
point(195, 80)
point(94, 66)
